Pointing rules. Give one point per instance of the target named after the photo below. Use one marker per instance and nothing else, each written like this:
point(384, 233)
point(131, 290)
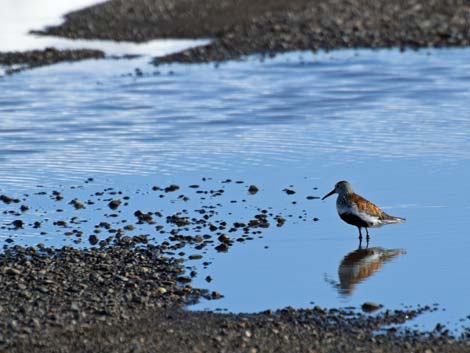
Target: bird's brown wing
point(366, 206)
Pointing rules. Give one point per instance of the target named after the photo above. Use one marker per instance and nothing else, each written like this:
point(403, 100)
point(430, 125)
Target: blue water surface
point(396, 125)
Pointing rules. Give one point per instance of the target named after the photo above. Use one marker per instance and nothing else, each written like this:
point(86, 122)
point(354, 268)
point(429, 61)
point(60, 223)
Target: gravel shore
point(18, 61)
point(130, 299)
point(129, 293)
point(257, 26)
point(245, 27)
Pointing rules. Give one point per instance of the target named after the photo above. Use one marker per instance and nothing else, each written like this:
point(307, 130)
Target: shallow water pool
point(394, 124)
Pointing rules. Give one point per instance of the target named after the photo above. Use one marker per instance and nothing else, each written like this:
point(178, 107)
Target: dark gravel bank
point(128, 293)
point(127, 299)
point(282, 331)
point(259, 26)
point(18, 61)
point(43, 288)
point(245, 27)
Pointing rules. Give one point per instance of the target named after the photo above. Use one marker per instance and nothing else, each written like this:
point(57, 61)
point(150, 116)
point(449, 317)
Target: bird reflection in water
point(360, 264)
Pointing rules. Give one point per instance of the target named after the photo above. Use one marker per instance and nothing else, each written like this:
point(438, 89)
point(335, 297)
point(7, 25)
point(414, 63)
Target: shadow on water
point(360, 264)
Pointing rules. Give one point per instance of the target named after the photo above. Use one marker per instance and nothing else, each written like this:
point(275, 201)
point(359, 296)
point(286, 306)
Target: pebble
point(18, 223)
point(222, 247)
point(184, 279)
point(7, 199)
point(289, 191)
point(93, 239)
point(195, 257)
point(171, 188)
point(224, 238)
point(369, 307)
point(114, 204)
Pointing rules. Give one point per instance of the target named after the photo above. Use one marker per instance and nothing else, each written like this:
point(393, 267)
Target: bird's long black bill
point(329, 194)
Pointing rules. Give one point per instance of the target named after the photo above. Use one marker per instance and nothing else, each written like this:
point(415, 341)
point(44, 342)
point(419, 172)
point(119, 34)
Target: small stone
point(61, 223)
point(43, 290)
point(25, 294)
point(77, 204)
point(121, 278)
point(216, 295)
point(161, 290)
point(7, 199)
point(195, 257)
point(289, 191)
point(253, 189)
point(184, 279)
point(222, 247)
point(369, 307)
point(224, 238)
point(93, 239)
point(280, 221)
point(171, 188)
point(18, 223)
point(114, 204)
point(12, 271)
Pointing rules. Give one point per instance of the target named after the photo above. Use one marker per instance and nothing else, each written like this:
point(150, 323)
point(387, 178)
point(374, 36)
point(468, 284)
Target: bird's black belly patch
point(354, 220)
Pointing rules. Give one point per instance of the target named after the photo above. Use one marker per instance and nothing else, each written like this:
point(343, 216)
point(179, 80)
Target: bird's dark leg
point(367, 232)
point(360, 234)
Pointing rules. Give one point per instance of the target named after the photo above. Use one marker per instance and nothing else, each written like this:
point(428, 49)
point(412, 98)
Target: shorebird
point(356, 210)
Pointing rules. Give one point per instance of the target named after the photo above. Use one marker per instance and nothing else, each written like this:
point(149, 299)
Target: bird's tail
point(386, 218)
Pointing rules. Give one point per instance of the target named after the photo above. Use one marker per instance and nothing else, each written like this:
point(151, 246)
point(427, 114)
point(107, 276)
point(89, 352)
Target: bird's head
point(341, 187)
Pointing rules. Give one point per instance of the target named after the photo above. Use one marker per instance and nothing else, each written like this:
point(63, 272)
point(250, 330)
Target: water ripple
point(361, 104)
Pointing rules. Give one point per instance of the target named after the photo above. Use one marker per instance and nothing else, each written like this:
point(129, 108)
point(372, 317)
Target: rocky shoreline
point(124, 292)
point(19, 61)
point(267, 27)
point(131, 298)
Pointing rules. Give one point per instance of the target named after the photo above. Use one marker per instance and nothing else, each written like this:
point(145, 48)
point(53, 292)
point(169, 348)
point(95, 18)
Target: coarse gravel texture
point(19, 61)
point(245, 27)
point(128, 293)
point(126, 298)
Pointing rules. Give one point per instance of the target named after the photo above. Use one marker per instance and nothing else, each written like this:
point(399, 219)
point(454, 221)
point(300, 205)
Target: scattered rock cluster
point(128, 291)
point(17, 61)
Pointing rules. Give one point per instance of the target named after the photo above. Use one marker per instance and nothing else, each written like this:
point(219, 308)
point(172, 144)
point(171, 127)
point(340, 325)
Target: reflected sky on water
point(395, 125)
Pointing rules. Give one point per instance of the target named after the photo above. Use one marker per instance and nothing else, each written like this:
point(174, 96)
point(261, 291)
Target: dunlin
point(356, 210)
